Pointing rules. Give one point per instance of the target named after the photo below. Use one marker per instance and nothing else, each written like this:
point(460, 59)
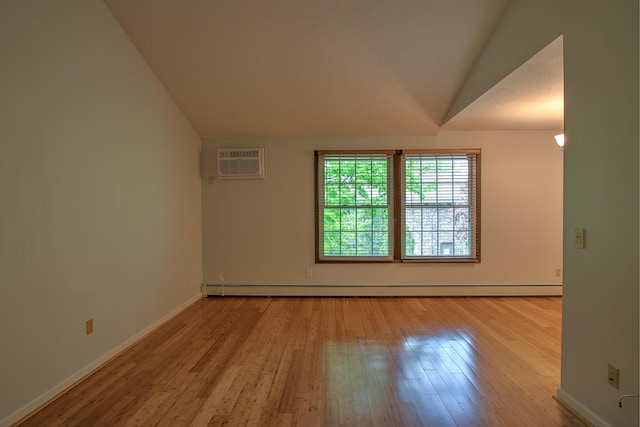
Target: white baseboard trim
point(580, 410)
point(53, 393)
point(382, 290)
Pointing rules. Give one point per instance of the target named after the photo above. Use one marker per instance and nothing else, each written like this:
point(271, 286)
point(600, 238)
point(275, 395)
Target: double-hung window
point(398, 205)
point(355, 205)
point(440, 205)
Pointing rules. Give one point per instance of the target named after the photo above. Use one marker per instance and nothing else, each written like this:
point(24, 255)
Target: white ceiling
point(530, 98)
point(291, 68)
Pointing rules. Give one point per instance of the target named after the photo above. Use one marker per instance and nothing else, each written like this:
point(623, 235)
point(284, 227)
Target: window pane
point(444, 165)
point(429, 219)
point(430, 195)
point(413, 219)
point(446, 249)
point(331, 171)
point(379, 195)
point(462, 243)
point(461, 219)
point(347, 195)
point(412, 243)
point(332, 220)
point(363, 171)
point(380, 219)
point(461, 194)
point(364, 221)
point(445, 219)
point(363, 195)
point(380, 243)
point(348, 219)
point(348, 243)
point(332, 243)
point(429, 244)
point(332, 195)
point(379, 171)
point(445, 243)
point(413, 197)
point(365, 243)
point(379, 187)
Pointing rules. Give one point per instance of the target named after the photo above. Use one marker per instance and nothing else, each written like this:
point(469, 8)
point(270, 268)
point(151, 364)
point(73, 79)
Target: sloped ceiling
point(530, 98)
point(290, 68)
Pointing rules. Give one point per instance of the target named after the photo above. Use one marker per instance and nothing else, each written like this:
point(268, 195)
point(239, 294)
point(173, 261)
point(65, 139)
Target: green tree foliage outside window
point(355, 205)
point(436, 200)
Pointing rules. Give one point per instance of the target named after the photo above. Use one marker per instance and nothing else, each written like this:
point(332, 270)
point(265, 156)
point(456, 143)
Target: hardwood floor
point(333, 362)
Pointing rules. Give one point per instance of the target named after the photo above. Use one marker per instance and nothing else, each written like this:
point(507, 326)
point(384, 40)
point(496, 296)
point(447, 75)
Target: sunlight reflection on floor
point(434, 374)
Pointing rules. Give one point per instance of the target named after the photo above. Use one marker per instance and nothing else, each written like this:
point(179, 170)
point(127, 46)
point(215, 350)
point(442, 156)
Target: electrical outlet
point(558, 271)
point(613, 374)
point(308, 272)
point(89, 326)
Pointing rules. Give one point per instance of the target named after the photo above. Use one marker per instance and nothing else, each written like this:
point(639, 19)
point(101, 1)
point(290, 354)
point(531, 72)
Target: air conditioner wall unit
point(241, 163)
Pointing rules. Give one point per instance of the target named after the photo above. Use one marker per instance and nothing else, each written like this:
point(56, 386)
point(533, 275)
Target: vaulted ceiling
point(290, 68)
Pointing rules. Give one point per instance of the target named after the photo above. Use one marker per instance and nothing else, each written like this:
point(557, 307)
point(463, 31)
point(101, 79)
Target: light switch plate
point(578, 238)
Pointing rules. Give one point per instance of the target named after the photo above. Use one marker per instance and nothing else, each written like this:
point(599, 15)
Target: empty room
point(319, 213)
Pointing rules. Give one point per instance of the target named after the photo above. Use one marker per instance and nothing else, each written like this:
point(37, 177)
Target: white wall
point(99, 197)
point(601, 183)
point(262, 232)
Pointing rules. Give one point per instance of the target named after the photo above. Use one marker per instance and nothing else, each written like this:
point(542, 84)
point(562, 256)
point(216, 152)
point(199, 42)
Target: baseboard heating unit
point(211, 290)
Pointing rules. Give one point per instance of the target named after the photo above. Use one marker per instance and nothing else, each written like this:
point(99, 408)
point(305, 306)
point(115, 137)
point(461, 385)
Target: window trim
point(396, 192)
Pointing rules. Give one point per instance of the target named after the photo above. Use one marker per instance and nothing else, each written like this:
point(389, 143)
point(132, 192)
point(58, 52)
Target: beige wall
point(601, 323)
point(99, 197)
point(262, 232)
point(601, 185)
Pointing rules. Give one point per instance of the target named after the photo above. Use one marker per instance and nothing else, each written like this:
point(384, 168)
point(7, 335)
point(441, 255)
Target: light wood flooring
point(333, 362)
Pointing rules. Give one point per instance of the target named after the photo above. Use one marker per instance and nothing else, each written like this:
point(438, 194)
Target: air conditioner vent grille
point(240, 167)
point(241, 163)
point(224, 153)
